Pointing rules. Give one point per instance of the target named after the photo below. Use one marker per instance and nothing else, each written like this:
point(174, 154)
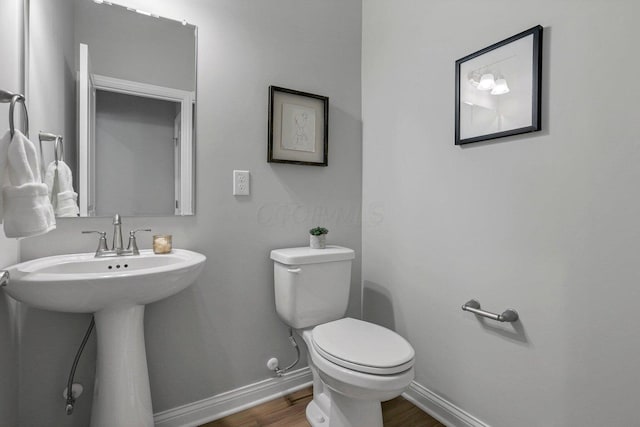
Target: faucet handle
point(101, 233)
point(102, 241)
point(133, 245)
point(133, 232)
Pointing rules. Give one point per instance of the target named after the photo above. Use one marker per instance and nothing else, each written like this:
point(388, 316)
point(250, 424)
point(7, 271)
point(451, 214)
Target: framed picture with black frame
point(298, 127)
point(498, 89)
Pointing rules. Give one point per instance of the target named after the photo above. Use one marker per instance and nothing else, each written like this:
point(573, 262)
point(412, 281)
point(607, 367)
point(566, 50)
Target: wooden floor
point(289, 411)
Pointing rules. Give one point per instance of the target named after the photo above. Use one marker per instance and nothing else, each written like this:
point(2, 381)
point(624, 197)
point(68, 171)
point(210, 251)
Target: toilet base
point(343, 398)
point(315, 416)
point(344, 412)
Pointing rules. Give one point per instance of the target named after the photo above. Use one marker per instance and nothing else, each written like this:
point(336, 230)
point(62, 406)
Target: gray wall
point(11, 29)
point(136, 47)
point(546, 223)
point(218, 334)
point(134, 155)
point(52, 76)
point(48, 341)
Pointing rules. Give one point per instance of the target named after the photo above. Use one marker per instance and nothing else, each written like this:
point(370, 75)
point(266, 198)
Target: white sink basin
point(80, 283)
point(115, 289)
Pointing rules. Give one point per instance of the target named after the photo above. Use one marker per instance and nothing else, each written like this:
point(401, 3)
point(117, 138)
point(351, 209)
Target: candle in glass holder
point(162, 243)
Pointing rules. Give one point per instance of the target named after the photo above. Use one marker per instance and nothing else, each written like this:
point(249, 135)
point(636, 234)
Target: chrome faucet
point(117, 234)
point(102, 243)
point(117, 248)
point(132, 247)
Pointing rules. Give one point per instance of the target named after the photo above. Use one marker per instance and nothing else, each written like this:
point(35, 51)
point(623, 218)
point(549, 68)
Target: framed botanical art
point(298, 127)
point(498, 89)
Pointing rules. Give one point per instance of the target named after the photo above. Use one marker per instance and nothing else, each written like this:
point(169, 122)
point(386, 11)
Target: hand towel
point(59, 180)
point(22, 160)
point(4, 175)
point(27, 208)
point(51, 180)
point(67, 204)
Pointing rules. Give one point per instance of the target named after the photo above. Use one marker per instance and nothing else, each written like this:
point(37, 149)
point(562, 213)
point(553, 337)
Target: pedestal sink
point(115, 289)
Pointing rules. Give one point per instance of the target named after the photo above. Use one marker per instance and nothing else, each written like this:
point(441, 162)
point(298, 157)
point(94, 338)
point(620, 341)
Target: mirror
point(112, 92)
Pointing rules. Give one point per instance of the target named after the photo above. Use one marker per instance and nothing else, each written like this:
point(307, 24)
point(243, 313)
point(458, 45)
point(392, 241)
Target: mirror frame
point(185, 98)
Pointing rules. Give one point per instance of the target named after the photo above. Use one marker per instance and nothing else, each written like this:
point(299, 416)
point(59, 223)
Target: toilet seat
point(363, 347)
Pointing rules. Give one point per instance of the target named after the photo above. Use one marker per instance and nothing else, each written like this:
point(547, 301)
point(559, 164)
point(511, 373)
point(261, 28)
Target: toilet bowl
point(355, 364)
point(359, 365)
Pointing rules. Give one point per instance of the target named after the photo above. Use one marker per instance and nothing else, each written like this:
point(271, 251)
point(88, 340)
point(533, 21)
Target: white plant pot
point(318, 242)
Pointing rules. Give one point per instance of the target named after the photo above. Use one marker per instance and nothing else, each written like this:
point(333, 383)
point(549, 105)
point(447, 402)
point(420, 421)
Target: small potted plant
point(318, 238)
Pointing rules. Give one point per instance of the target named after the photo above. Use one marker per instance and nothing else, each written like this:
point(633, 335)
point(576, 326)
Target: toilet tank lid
point(307, 255)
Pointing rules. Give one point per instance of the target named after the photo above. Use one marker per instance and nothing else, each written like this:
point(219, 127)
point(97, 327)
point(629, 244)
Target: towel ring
point(58, 149)
point(13, 98)
point(12, 129)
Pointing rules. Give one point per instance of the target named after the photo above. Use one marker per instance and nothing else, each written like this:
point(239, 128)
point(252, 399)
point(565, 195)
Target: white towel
point(51, 180)
point(22, 160)
point(59, 180)
point(67, 204)
point(27, 210)
point(4, 174)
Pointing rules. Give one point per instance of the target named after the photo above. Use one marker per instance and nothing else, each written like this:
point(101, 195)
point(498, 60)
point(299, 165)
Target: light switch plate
point(241, 185)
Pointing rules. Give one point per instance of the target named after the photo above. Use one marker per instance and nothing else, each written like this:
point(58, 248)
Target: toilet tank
point(311, 285)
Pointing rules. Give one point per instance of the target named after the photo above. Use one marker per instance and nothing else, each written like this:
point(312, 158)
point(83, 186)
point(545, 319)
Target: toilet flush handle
point(294, 270)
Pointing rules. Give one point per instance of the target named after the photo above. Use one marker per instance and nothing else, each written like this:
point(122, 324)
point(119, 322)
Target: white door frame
point(86, 135)
point(186, 99)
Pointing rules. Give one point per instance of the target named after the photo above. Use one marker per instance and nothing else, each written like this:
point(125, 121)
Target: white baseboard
point(230, 402)
point(440, 408)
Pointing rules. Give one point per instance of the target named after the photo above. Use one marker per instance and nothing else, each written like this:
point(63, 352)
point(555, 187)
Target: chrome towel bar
point(509, 315)
point(13, 98)
point(58, 145)
point(58, 150)
point(4, 278)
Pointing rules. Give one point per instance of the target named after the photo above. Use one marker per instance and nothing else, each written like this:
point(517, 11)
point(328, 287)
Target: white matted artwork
point(298, 127)
point(498, 89)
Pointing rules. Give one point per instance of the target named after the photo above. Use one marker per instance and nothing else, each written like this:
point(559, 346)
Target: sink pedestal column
point(121, 396)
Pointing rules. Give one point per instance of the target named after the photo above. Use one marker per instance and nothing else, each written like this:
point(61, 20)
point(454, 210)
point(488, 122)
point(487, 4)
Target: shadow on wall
point(8, 316)
point(377, 305)
point(8, 361)
point(48, 343)
point(512, 331)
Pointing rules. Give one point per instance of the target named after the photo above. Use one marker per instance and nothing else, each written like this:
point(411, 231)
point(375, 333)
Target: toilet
point(355, 364)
